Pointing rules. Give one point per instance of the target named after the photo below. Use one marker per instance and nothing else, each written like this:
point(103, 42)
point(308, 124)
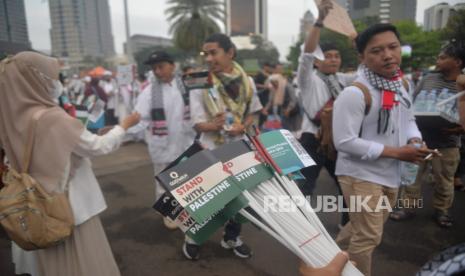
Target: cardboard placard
point(243, 163)
point(200, 185)
point(97, 111)
point(125, 74)
point(286, 151)
point(170, 208)
point(197, 80)
point(338, 20)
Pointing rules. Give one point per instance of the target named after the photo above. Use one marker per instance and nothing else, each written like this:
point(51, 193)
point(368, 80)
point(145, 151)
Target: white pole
point(128, 33)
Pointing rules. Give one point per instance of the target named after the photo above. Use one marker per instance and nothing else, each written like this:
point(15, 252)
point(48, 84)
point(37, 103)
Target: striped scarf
point(331, 82)
point(159, 123)
point(231, 92)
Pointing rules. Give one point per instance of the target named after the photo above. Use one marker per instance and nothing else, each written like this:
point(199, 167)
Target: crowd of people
point(371, 128)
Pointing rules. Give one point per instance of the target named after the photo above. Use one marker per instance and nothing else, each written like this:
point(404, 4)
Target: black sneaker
point(240, 248)
point(443, 219)
point(191, 251)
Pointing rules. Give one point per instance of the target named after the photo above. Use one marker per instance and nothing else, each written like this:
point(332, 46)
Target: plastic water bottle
point(420, 102)
point(229, 120)
point(431, 101)
point(409, 170)
point(443, 95)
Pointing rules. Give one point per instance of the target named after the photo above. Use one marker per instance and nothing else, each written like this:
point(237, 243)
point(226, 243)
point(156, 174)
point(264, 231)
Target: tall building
point(436, 17)
point(245, 17)
point(343, 3)
point(13, 27)
point(305, 23)
point(386, 10)
point(81, 29)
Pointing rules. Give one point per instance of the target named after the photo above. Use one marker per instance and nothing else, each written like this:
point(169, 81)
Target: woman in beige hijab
point(60, 162)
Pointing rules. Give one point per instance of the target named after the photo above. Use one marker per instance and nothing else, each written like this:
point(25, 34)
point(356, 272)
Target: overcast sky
point(147, 17)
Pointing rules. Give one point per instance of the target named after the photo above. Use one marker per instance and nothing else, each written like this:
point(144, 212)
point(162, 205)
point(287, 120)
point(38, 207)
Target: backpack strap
point(368, 101)
point(30, 141)
point(366, 95)
point(405, 84)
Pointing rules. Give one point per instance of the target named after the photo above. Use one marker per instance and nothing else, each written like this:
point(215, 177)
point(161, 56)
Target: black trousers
point(232, 230)
point(311, 145)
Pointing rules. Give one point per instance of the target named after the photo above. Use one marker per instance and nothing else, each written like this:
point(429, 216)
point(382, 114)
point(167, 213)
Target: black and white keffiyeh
point(391, 90)
point(331, 82)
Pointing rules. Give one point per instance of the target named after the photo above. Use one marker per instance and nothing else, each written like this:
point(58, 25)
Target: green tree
point(425, 45)
point(455, 27)
point(264, 51)
point(192, 21)
point(342, 43)
point(179, 55)
point(294, 54)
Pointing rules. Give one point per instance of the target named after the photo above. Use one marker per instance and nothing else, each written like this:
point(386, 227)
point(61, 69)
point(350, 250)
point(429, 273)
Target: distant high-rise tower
point(244, 17)
point(386, 10)
point(436, 17)
point(81, 28)
point(305, 23)
point(343, 3)
point(13, 27)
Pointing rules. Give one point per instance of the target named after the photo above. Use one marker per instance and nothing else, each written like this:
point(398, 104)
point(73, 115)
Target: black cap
point(159, 56)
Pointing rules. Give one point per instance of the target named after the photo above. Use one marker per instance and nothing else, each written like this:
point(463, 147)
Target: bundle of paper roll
point(296, 226)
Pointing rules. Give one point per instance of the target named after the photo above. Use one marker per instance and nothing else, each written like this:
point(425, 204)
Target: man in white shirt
point(371, 145)
point(165, 116)
point(320, 83)
point(232, 98)
point(108, 85)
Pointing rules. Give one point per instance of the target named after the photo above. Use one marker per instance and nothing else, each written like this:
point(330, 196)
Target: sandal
point(401, 214)
point(443, 219)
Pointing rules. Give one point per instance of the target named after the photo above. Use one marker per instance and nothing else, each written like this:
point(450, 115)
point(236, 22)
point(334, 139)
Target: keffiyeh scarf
point(159, 123)
point(234, 94)
point(391, 90)
point(332, 83)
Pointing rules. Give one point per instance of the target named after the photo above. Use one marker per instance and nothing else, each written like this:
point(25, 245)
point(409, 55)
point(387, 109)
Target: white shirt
point(111, 91)
point(314, 93)
point(85, 195)
point(199, 113)
point(359, 157)
point(180, 135)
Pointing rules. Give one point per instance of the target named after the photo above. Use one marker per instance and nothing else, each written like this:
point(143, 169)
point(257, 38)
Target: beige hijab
point(25, 85)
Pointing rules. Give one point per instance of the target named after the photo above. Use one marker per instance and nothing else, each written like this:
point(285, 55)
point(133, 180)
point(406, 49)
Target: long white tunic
point(85, 195)
point(314, 93)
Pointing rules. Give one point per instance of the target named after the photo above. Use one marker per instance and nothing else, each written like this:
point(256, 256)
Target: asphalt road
point(143, 246)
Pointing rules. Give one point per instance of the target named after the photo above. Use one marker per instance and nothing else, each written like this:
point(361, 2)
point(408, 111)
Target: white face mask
point(57, 90)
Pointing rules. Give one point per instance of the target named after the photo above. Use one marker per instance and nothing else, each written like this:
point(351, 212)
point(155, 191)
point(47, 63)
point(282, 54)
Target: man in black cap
point(319, 82)
point(165, 116)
